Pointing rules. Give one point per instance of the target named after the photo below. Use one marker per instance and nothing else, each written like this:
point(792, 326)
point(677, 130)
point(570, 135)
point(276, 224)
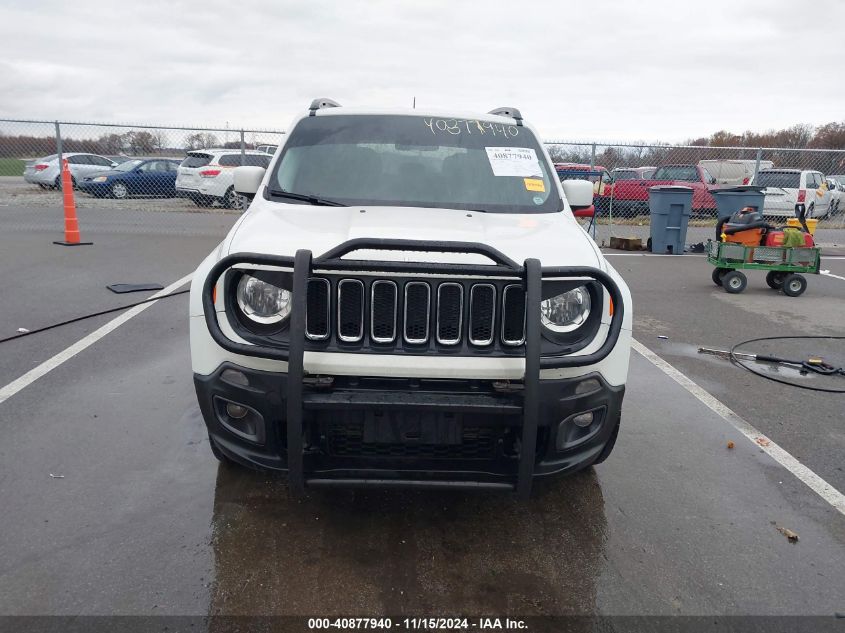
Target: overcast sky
point(578, 69)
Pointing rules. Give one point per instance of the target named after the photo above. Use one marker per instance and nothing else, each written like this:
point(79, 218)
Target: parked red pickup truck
point(632, 195)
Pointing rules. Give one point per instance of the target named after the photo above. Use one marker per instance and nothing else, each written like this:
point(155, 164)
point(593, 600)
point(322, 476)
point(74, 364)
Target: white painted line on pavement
point(827, 274)
point(781, 456)
point(50, 364)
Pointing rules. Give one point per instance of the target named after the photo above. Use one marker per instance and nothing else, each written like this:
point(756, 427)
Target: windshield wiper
point(281, 193)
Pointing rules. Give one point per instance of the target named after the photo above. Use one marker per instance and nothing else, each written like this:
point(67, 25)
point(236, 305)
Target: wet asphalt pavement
point(144, 521)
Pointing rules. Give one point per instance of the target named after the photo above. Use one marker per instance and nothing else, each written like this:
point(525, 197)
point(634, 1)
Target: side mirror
point(248, 180)
point(579, 193)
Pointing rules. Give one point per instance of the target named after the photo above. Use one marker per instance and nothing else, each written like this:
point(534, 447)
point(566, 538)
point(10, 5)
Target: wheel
point(775, 279)
point(734, 282)
point(57, 184)
point(718, 275)
point(119, 190)
point(233, 200)
point(794, 285)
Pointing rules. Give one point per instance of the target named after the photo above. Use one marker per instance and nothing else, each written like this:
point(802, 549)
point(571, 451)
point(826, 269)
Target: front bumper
point(522, 414)
point(460, 433)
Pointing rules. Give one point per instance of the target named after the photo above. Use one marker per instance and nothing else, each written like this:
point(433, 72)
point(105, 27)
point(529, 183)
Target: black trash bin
point(731, 199)
point(670, 207)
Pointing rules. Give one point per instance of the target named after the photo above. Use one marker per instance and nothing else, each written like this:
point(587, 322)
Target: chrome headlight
point(567, 311)
point(101, 179)
point(263, 302)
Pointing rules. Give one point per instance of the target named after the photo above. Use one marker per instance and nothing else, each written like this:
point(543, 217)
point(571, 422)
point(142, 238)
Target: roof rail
point(507, 111)
point(320, 103)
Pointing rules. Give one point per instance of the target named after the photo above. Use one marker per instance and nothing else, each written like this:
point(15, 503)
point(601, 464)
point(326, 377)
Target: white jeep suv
point(409, 301)
point(206, 176)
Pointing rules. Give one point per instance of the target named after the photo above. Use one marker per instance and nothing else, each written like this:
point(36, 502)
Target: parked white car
point(267, 149)
point(409, 301)
point(206, 176)
point(734, 171)
point(46, 172)
point(785, 189)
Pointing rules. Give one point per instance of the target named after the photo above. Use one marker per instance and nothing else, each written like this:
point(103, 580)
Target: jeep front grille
point(416, 313)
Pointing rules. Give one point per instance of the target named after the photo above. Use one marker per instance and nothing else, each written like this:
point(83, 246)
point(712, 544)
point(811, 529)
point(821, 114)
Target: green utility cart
point(785, 265)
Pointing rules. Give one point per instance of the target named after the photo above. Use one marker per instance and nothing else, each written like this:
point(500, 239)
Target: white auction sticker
point(513, 161)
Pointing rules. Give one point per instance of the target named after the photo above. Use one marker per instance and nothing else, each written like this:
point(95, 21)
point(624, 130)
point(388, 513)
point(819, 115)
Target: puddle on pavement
point(405, 551)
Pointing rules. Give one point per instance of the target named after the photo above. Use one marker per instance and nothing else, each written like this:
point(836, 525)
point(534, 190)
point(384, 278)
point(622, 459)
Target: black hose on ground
point(92, 315)
point(737, 361)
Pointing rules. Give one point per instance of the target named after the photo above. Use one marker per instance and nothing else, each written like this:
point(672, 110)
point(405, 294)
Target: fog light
point(240, 419)
point(236, 411)
point(583, 420)
point(587, 386)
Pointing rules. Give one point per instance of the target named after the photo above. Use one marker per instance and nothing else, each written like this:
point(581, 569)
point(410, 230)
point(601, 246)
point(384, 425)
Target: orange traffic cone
point(71, 223)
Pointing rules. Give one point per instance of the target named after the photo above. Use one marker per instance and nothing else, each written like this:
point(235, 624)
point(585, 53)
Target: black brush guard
point(302, 264)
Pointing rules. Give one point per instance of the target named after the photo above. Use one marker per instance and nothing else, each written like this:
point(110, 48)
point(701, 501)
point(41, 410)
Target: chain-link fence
point(164, 168)
point(623, 173)
point(138, 167)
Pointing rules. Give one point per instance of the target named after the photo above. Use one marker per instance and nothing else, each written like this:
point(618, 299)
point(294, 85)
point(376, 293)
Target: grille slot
point(482, 314)
point(513, 315)
point(350, 310)
point(417, 312)
point(317, 310)
point(450, 308)
point(383, 303)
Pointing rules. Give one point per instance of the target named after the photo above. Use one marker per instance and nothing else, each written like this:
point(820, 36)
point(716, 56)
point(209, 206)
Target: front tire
point(794, 285)
point(233, 200)
point(718, 275)
point(775, 279)
point(119, 191)
point(734, 282)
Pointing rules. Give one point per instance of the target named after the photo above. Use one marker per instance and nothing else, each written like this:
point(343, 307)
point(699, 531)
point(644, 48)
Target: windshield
point(416, 161)
point(626, 174)
point(676, 172)
point(788, 179)
point(129, 165)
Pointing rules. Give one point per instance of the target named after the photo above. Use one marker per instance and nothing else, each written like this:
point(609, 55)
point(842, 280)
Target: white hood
point(555, 239)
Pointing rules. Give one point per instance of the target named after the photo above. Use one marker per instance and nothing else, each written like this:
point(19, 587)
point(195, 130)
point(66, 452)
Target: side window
point(100, 160)
point(708, 178)
point(812, 181)
point(149, 166)
point(80, 159)
point(230, 160)
point(255, 160)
